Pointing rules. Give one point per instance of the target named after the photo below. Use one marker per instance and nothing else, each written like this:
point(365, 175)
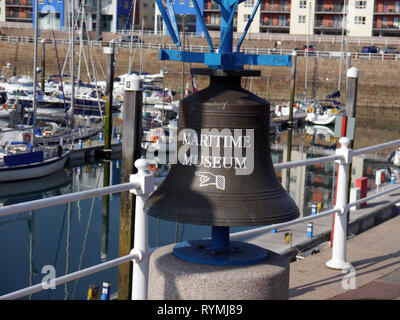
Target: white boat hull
point(34, 170)
point(320, 120)
point(4, 113)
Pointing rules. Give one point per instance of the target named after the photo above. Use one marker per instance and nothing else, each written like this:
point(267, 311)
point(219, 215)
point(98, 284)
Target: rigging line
point(82, 49)
point(101, 67)
point(59, 242)
point(190, 66)
point(94, 74)
point(131, 42)
point(69, 41)
point(67, 246)
point(85, 237)
point(126, 28)
point(59, 73)
point(31, 240)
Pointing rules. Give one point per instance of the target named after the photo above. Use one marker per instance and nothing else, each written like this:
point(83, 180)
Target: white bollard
point(338, 260)
point(379, 176)
point(355, 194)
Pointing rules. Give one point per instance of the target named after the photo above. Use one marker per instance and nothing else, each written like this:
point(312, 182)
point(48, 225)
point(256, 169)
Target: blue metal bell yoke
point(219, 250)
point(224, 58)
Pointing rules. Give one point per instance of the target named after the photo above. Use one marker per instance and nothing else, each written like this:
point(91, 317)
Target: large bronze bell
point(223, 189)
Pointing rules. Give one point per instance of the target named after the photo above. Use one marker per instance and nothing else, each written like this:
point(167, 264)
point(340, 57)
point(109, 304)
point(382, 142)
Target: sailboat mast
point(131, 42)
point(72, 63)
point(82, 12)
point(141, 47)
point(344, 26)
point(307, 48)
point(35, 71)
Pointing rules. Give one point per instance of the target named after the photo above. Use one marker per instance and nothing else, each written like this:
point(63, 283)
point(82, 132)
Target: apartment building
point(116, 14)
point(56, 14)
point(302, 17)
point(145, 14)
point(186, 8)
point(386, 17)
point(16, 11)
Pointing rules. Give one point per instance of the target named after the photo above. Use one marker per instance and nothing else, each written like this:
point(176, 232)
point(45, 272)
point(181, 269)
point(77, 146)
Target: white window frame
point(302, 19)
point(360, 20)
point(303, 4)
point(360, 4)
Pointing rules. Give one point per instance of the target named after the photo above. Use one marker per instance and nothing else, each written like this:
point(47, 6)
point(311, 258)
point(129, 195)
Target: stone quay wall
point(379, 81)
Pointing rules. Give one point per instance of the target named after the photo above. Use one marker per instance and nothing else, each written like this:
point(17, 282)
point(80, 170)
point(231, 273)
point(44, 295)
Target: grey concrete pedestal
point(171, 278)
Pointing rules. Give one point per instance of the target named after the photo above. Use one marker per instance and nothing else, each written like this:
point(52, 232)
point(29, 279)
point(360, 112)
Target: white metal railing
point(250, 36)
point(65, 198)
point(142, 185)
point(205, 48)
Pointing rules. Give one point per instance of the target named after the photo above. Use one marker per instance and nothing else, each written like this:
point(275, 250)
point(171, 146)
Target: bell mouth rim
point(223, 222)
point(225, 73)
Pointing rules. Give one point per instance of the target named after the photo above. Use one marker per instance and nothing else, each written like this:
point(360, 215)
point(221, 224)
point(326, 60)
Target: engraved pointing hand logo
point(209, 179)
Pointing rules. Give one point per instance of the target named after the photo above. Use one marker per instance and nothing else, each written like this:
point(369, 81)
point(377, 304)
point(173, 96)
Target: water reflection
point(84, 233)
point(69, 237)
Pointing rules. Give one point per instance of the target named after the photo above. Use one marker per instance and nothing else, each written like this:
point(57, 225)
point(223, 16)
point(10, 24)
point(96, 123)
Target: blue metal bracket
point(225, 58)
point(233, 60)
point(203, 25)
point(219, 250)
point(167, 21)
point(248, 25)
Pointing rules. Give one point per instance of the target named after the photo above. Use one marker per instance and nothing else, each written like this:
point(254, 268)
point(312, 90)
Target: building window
point(191, 3)
point(359, 20)
point(361, 4)
point(182, 1)
point(302, 4)
point(302, 19)
point(214, 18)
point(246, 17)
point(249, 3)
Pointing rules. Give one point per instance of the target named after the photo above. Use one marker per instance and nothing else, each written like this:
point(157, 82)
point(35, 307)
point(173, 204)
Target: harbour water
point(81, 234)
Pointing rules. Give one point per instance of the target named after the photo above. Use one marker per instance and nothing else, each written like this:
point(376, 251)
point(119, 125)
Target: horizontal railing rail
point(65, 198)
point(72, 276)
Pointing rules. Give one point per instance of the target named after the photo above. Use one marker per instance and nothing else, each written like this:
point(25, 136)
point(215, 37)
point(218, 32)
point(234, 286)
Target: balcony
point(279, 25)
point(320, 9)
point(19, 3)
point(330, 26)
point(386, 26)
point(211, 7)
point(284, 9)
point(387, 11)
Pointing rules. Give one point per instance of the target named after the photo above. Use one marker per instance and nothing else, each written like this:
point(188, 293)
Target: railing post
point(338, 260)
point(141, 267)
